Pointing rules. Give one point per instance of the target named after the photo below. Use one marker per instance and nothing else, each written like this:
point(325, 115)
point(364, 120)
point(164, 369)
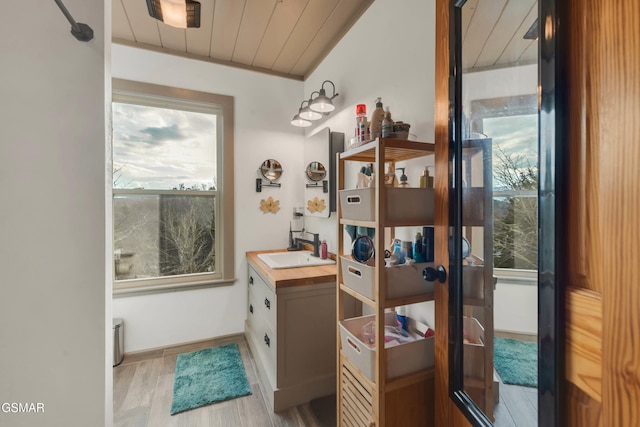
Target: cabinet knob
point(251, 308)
point(251, 280)
point(267, 303)
point(267, 340)
point(431, 274)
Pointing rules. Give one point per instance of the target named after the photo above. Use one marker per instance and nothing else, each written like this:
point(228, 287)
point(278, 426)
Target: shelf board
point(396, 150)
point(478, 302)
point(358, 223)
point(371, 303)
point(409, 300)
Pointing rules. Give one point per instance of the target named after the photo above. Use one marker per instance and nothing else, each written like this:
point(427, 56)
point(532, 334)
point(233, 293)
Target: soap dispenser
point(426, 181)
point(403, 179)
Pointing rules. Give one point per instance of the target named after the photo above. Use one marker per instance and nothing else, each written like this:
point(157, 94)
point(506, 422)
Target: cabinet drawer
point(262, 299)
point(265, 344)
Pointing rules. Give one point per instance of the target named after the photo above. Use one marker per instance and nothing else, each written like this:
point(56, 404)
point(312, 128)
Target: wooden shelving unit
point(478, 286)
point(406, 400)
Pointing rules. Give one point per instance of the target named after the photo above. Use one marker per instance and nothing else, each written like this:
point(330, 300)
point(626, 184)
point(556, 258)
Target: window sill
point(515, 276)
point(177, 287)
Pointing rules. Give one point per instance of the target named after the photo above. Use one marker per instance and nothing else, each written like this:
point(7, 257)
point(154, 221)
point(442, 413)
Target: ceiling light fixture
point(322, 103)
point(177, 13)
point(299, 121)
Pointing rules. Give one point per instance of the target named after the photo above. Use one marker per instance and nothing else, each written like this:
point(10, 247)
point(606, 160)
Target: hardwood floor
point(518, 407)
point(143, 391)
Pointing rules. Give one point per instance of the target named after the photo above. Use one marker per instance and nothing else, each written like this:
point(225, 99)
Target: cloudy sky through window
point(160, 149)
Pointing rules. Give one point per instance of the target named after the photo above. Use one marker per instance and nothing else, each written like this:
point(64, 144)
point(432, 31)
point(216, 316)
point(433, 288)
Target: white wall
point(264, 106)
point(389, 53)
point(52, 218)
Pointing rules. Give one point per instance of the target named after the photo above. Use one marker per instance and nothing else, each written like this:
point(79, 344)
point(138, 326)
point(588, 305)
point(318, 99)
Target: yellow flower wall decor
point(316, 205)
point(269, 205)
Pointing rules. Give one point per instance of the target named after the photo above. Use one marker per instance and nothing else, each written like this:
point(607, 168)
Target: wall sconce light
point(299, 121)
point(316, 107)
point(177, 13)
point(322, 103)
point(307, 113)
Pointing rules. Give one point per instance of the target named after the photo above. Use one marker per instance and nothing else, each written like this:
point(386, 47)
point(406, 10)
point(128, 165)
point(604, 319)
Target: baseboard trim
point(522, 336)
point(184, 347)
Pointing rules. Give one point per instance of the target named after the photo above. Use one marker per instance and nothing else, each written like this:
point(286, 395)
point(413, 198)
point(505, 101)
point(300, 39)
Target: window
point(172, 187)
point(512, 123)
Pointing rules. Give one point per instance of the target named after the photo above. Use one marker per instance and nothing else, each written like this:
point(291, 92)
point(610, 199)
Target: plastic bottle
point(418, 256)
point(376, 119)
point(424, 179)
point(323, 249)
point(361, 122)
point(387, 124)
point(401, 315)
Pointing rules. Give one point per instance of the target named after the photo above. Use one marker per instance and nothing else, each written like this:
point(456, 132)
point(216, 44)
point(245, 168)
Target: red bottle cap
point(361, 110)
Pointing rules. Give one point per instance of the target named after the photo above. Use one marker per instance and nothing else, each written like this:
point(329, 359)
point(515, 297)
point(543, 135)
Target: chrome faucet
point(315, 242)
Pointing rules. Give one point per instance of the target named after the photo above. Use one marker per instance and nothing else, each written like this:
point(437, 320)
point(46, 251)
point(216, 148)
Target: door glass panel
point(499, 208)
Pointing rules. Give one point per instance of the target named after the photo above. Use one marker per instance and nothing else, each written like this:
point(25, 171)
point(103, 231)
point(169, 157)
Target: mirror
point(316, 171)
point(271, 170)
point(495, 247)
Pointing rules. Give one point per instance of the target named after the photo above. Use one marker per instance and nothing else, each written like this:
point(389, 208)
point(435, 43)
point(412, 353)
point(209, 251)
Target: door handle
point(431, 274)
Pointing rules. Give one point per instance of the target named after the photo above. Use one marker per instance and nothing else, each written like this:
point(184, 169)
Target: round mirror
point(271, 170)
point(362, 249)
point(316, 171)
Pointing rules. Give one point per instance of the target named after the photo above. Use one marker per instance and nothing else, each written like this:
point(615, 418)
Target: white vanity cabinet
point(291, 335)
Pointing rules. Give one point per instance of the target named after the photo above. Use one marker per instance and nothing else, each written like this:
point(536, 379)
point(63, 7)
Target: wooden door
point(598, 82)
point(602, 370)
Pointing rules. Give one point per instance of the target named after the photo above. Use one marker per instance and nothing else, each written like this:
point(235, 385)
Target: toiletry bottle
point(323, 249)
point(403, 179)
point(427, 243)
point(401, 315)
point(387, 124)
point(390, 177)
point(424, 179)
point(376, 120)
point(361, 121)
point(418, 256)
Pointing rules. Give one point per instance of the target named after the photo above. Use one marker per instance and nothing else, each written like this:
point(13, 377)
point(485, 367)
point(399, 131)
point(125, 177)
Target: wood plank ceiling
point(291, 37)
point(283, 37)
point(493, 31)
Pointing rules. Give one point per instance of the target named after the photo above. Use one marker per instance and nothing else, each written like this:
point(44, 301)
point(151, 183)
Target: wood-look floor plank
point(253, 410)
point(224, 414)
point(122, 377)
point(519, 406)
point(137, 417)
point(159, 414)
point(502, 416)
point(143, 384)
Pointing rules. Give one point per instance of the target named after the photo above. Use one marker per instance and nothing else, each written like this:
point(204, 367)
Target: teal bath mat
point(208, 376)
point(516, 361)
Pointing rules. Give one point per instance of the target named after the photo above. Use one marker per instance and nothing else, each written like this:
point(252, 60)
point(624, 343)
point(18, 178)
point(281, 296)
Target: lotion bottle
point(376, 120)
point(387, 124)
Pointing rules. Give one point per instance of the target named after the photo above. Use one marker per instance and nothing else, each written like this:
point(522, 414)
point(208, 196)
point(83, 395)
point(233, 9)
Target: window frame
point(516, 105)
point(139, 93)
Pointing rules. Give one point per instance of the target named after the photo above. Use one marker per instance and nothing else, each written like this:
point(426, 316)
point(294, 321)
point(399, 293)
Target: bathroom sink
point(293, 259)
